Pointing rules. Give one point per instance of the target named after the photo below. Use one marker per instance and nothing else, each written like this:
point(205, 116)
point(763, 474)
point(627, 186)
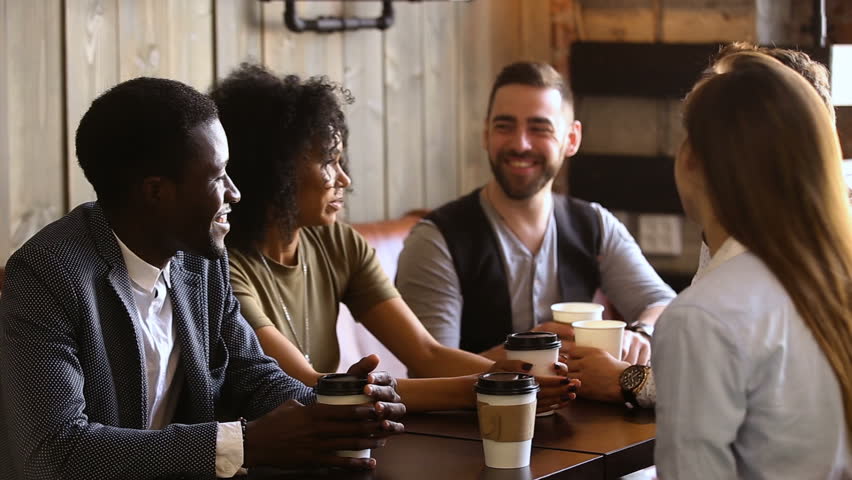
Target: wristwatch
point(643, 328)
point(631, 380)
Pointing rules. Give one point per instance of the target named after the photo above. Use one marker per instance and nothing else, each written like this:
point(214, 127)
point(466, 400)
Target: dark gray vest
point(487, 311)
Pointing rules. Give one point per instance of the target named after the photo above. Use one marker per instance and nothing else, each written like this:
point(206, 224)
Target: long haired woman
point(754, 361)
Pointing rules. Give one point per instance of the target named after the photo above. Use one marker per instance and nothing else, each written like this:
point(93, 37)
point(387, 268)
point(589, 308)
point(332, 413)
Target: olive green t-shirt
point(341, 267)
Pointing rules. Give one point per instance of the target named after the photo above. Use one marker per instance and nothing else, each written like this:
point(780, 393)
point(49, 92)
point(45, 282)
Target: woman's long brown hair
point(773, 169)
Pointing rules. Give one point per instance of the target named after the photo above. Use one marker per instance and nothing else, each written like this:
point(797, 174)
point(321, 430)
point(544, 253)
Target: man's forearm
point(650, 315)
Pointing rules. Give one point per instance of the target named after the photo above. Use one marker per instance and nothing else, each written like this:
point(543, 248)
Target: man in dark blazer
point(121, 344)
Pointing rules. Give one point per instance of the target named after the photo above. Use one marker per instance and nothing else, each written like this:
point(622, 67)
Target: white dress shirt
point(162, 356)
point(743, 389)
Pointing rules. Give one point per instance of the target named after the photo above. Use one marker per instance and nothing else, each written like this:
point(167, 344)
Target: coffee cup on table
point(343, 389)
point(604, 334)
point(541, 349)
point(505, 404)
point(570, 312)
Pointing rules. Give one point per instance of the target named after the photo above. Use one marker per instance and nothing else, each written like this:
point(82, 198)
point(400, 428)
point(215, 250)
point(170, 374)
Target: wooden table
point(625, 438)
point(427, 457)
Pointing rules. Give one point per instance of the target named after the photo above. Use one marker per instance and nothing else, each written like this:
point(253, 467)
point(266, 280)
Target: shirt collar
point(729, 249)
point(141, 272)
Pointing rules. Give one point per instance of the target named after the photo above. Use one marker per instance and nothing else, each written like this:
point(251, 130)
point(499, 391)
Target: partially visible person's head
point(814, 72)
point(763, 158)
point(286, 137)
point(530, 128)
point(154, 147)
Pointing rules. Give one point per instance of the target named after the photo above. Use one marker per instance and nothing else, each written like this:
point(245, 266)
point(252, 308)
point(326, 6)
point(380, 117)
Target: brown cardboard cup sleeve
point(506, 423)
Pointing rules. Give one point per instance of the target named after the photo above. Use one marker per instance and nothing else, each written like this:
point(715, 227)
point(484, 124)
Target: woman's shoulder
point(337, 235)
point(741, 295)
point(239, 258)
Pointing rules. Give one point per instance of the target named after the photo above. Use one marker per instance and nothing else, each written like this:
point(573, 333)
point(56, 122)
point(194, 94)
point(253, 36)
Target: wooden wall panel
point(420, 87)
point(91, 67)
point(167, 38)
point(404, 86)
point(615, 20)
point(363, 75)
point(489, 45)
point(35, 186)
point(305, 53)
point(536, 27)
point(238, 31)
point(705, 21)
point(443, 62)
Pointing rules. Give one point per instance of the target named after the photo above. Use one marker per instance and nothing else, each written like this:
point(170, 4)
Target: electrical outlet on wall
point(660, 234)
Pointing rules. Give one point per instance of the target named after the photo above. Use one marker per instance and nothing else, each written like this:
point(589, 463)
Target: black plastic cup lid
point(532, 341)
point(505, 383)
point(339, 384)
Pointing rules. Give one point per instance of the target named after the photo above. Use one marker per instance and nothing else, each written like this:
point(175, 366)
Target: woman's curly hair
point(273, 124)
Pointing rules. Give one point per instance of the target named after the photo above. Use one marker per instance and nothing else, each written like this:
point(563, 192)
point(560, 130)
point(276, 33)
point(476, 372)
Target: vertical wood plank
point(441, 136)
point(536, 28)
point(306, 53)
point(563, 32)
point(490, 39)
point(238, 34)
point(167, 38)
point(91, 67)
point(191, 42)
point(363, 75)
point(404, 96)
point(35, 142)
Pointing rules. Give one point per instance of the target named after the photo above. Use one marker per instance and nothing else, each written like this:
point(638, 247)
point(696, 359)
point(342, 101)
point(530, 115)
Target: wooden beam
point(645, 69)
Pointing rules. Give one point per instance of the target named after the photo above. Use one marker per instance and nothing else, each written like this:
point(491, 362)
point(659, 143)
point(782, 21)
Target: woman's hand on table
point(556, 391)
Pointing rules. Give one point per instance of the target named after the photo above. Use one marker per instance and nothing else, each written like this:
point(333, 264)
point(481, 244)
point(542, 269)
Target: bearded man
point(493, 261)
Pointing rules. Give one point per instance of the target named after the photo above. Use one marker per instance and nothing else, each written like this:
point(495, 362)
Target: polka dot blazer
point(72, 379)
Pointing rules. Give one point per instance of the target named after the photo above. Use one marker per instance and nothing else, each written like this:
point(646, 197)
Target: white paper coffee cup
point(570, 312)
point(541, 349)
point(343, 389)
point(604, 334)
point(506, 406)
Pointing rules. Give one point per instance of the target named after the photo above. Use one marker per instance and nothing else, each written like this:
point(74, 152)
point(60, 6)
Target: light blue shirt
point(743, 389)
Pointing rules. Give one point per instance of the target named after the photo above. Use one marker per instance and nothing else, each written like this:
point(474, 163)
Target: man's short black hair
point(532, 74)
point(273, 123)
point(137, 129)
